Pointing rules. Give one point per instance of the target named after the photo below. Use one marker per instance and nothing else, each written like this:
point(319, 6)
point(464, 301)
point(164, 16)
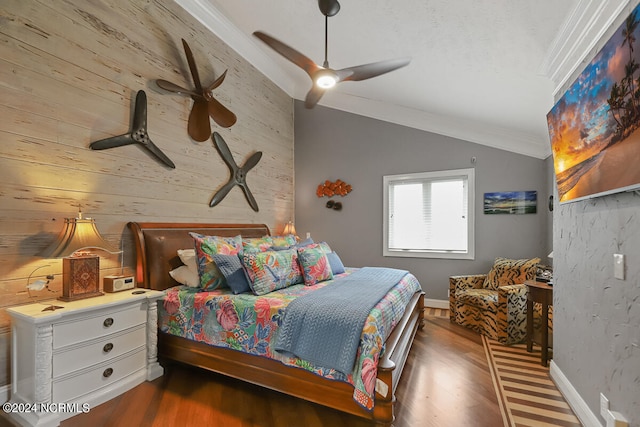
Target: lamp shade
point(78, 234)
point(289, 228)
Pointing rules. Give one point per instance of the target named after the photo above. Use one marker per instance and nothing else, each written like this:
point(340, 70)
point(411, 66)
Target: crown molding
point(204, 12)
point(578, 36)
point(454, 127)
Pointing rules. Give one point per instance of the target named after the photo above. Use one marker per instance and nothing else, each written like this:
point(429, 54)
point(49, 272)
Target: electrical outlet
point(615, 419)
point(604, 406)
point(618, 266)
point(611, 418)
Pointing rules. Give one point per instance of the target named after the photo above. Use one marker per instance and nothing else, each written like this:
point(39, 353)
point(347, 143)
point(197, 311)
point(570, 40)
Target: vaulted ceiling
point(480, 70)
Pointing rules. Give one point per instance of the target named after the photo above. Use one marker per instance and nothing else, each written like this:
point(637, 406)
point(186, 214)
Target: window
point(429, 214)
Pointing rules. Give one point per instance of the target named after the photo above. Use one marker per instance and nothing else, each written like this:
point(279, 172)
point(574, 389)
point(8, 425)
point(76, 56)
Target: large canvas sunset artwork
point(595, 127)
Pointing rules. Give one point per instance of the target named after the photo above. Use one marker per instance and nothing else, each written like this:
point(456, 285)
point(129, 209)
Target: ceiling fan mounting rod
point(326, 41)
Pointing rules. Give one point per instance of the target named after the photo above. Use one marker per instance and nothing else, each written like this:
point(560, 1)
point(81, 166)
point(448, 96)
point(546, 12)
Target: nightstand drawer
point(68, 388)
point(75, 358)
point(105, 322)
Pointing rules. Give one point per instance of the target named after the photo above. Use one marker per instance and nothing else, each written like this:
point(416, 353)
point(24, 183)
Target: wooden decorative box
point(80, 277)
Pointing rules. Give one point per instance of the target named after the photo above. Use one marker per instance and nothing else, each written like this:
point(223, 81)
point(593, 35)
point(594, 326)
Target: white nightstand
point(85, 353)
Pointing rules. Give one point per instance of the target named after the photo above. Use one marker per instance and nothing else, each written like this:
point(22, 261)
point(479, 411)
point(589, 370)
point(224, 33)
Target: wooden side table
point(541, 293)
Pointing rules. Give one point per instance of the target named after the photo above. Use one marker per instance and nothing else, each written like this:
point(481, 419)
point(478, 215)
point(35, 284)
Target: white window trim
point(470, 254)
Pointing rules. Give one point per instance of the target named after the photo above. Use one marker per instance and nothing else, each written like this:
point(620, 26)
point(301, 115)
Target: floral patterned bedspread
point(250, 324)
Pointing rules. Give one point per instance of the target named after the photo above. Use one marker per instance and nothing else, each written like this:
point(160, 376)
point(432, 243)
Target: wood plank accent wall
point(69, 73)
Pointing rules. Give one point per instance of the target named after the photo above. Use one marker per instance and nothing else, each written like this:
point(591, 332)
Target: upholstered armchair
point(494, 304)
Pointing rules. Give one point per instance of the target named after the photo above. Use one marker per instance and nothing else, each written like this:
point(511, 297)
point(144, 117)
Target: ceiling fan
point(324, 77)
point(204, 104)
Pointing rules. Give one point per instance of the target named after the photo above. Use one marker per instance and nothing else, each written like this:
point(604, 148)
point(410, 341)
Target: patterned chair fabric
point(494, 304)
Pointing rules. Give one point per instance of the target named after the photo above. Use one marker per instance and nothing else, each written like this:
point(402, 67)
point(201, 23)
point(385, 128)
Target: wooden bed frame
point(156, 246)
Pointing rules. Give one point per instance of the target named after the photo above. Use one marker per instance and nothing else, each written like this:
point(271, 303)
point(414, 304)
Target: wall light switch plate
point(618, 266)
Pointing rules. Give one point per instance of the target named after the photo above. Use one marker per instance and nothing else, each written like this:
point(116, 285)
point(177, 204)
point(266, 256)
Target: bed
point(156, 254)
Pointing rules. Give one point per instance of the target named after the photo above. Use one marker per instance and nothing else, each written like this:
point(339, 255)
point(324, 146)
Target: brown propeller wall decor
point(204, 104)
point(324, 77)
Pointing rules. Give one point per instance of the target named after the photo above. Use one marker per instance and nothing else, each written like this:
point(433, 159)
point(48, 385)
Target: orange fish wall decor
point(336, 188)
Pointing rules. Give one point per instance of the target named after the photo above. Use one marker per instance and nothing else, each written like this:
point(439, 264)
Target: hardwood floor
point(446, 382)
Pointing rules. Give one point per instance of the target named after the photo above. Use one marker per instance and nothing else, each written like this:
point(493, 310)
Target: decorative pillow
point(185, 276)
point(337, 267)
point(287, 240)
point(188, 258)
point(231, 268)
point(306, 242)
point(315, 265)
point(510, 272)
point(256, 244)
point(325, 247)
point(272, 270)
point(206, 247)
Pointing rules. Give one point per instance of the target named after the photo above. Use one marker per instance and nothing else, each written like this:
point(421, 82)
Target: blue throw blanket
point(324, 326)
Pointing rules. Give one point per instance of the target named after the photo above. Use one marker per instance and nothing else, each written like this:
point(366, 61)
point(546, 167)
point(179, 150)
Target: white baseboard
point(436, 303)
point(579, 406)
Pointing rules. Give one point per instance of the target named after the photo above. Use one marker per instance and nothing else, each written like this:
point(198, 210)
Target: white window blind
point(429, 214)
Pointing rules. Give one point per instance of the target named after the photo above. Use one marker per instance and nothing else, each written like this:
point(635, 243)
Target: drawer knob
point(107, 347)
point(108, 322)
point(107, 372)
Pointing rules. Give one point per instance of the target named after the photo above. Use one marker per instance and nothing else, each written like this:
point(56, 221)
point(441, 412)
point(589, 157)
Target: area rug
point(436, 312)
point(526, 394)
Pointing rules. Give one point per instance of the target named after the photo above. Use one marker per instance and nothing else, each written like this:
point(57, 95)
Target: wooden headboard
point(157, 244)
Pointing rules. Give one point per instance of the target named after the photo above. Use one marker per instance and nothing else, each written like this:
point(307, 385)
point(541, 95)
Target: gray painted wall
point(597, 317)
point(332, 144)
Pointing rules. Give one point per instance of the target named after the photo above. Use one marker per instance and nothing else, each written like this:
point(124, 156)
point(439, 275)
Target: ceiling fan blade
point(221, 114)
point(218, 82)
point(223, 148)
point(313, 96)
point(192, 66)
point(289, 53)
point(367, 71)
point(249, 196)
point(115, 141)
point(198, 126)
point(221, 193)
point(329, 7)
point(171, 87)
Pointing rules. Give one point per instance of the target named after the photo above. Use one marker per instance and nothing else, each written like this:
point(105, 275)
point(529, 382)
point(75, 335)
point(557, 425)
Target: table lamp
point(80, 269)
point(289, 228)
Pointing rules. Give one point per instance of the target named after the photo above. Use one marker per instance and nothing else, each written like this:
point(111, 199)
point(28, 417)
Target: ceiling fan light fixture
point(326, 79)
